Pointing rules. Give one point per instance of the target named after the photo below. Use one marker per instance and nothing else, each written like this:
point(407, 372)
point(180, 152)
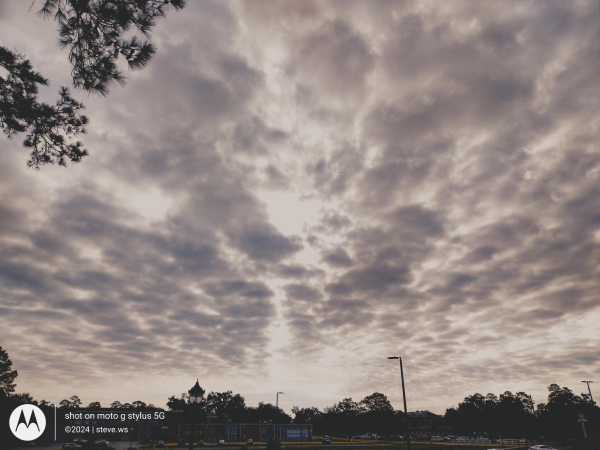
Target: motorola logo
point(27, 422)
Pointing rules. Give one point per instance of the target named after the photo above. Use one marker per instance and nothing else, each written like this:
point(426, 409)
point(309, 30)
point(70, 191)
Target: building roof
point(417, 413)
point(422, 414)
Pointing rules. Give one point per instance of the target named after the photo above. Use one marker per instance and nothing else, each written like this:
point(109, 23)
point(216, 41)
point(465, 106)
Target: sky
point(291, 192)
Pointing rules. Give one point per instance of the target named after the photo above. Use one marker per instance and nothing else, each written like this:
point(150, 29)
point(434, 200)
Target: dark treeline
point(512, 415)
point(373, 414)
point(509, 415)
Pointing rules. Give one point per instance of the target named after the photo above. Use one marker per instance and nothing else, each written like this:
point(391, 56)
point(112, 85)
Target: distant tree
point(540, 408)
point(71, 402)
point(139, 404)
point(7, 375)
point(376, 402)
point(511, 415)
point(526, 400)
point(94, 405)
point(453, 419)
point(507, 415)
point(267, 412)
point(586, 398)
point(226, 405)
point(346, 406)
point(377, 414)
point(94, 31)
point(177, 404)
point(116, 405)
point(306, 415)
point(342, 417)
point(559, 416)
point(470, 416)
point(22, 399)
point(514, 414)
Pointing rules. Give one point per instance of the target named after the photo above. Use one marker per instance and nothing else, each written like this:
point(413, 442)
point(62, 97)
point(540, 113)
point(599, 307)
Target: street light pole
point(404, 398)
point(277, 406)
point(589, 390)
point(196, 394)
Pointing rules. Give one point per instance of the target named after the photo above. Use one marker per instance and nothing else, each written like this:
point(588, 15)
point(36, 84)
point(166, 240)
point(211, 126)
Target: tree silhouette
point(306, 415)
point(48, 126)
point(7, 375)
point(378, 415)
point(226, 405)
point(72, 402)
point(376, 402)
point(560, 415)
point(94, 32)
point(178, 404)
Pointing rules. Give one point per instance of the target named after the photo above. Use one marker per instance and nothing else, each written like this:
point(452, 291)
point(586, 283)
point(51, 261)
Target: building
point(426, 423)
point(240, 432)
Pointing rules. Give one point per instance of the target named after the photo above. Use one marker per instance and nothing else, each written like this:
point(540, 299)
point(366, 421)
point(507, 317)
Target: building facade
point(241, 432)
point(426, 423)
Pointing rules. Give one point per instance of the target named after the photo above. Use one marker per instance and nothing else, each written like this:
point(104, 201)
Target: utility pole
point(589, 390)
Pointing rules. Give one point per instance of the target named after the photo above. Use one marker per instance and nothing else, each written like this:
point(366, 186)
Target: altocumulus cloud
point(453, 148)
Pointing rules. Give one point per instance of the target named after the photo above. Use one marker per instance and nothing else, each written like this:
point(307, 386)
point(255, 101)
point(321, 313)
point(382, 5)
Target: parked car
point(249, 442)
point(70, 445)
point(79, 441)
point(160, 444)
point(541, 447)
point(201, 442)
point(326, 441)
point(221, 443)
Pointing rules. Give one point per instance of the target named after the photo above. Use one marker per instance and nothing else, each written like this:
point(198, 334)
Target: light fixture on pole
point(404, 398)
point(589, 390)
point(277, 401)
point(196, 394)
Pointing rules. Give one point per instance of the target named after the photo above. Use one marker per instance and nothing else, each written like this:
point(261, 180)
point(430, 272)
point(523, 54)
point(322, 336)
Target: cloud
point(452, 155)
point(338, 257)
point(264, 242)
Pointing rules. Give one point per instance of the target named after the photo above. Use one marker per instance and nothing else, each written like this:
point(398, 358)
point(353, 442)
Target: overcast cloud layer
point(292, 191)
